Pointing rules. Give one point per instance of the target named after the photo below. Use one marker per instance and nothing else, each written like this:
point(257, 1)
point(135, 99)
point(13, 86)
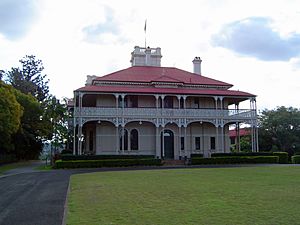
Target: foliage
point(44, 117)
point(260, 195)
point(106, 163)
point(28, 139)
point(30, 79)
point(66, 152)
point(2, 72)
point(245, 143)
point(296, 159)
point(198, 155)
point(221, 154)
point(55, 117)
point(280, 128)
point(283, 157)
point(101, 157)
point(10, 116)
point(235, 159)
point(6, 158)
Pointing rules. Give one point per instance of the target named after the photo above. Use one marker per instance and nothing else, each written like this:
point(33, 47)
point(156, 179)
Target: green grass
point(11, 166)
point(249, 195)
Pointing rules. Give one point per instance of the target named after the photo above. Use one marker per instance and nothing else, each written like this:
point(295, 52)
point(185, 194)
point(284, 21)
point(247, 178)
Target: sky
point(254, 45)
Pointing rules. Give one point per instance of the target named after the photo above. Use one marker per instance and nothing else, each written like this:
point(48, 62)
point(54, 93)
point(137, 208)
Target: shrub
point(103, 157)
point(241, 154)
point(198, 155)
point(106, 163)
point(66, 151)
point(235, 159)
point(283, 157)
point(296, 159)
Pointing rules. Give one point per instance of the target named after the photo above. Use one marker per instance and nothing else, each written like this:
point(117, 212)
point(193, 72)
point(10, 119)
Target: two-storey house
point(148, 109)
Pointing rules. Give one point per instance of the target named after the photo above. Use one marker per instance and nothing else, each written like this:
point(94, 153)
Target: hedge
point(104, 157)
point(235, 160)
point(106, 163)
point(241, 154)
point(283, 157)
point(197, 155)
point(296, 159)
point(66, 151)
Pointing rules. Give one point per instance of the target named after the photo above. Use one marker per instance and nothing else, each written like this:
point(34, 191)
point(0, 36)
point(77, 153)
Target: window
point(134, 140)
point(212, 143)
point(123, 138)
point(168, 102)
point(197, 143)
point(182, 143)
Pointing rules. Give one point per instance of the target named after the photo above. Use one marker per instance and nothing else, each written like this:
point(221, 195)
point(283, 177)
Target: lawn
point(248, 195)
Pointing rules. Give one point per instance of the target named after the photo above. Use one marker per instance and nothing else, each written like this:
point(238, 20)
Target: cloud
point(104, 32)
point(16, 17)
point(254, 37)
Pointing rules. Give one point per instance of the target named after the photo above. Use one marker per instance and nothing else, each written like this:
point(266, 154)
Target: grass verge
point(11, 166)
point(248, 195)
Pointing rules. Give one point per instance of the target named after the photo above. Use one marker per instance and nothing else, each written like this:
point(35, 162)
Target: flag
point(145, 27)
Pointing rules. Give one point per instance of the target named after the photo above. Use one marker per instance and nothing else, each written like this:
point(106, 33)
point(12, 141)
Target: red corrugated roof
point(243, 132)
point(153, 90)
point(160, 74)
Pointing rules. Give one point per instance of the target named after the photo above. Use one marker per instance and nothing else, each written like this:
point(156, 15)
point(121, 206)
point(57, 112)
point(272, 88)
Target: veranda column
point(163, 142)
point(80, 135)
point(80, 139)
point(179, 140)
point(222, 124)
point(157, 142)
point(185, 125)
point(117, 100)
point(123, 124)
point(117, 125)
point(117, 139)
point(222, 137)
point(217, 124)
point(185, 141)
point(217, 137)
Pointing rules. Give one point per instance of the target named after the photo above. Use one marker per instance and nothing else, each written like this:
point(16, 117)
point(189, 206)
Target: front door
point(167, 144)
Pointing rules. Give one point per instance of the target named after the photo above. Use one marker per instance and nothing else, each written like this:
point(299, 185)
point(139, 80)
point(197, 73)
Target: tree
point(2, 72)
point(10, 116)
point(56, 113)
point(280, 129)
point(30, 79)
point(28, 139)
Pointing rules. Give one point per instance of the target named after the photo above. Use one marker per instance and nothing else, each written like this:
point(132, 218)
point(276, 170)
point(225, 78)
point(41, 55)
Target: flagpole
point(145, 29)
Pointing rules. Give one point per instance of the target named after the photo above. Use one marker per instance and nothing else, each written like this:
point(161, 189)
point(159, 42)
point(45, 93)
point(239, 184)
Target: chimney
point(145, 56)
point(197, 65)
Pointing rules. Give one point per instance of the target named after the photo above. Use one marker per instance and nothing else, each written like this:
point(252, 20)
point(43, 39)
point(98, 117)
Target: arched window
point(123, 139)
point(134, 140)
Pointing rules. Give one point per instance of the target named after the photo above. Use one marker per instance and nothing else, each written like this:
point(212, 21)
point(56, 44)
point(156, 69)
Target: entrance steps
point(173, 162)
